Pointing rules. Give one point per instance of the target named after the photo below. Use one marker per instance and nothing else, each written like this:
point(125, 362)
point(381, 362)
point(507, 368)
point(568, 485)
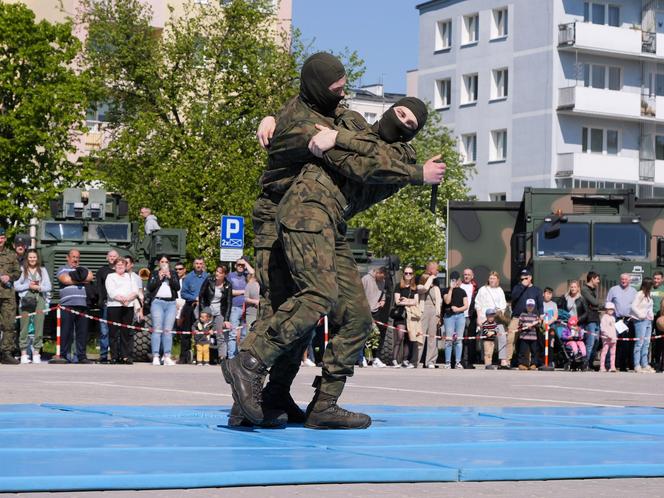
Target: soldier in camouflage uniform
point(9, 272)
point(332, 272)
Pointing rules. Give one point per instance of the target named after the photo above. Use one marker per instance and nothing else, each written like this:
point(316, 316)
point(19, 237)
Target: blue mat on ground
point(64, 447)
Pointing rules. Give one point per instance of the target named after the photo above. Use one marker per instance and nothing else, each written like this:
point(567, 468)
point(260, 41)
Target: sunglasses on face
point(408, 273)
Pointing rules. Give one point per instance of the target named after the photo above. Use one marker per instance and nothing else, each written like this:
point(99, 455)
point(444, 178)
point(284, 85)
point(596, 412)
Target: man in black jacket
point(521, 292)
point(590, 295)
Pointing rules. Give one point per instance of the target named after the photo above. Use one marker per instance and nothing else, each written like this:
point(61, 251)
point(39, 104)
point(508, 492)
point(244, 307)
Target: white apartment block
point(371, 101)
point(548, 93)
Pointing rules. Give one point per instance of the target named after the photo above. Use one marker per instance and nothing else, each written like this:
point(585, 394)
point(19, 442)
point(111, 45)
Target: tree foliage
point(184, 107)
point(403, 224)
point(42, 107)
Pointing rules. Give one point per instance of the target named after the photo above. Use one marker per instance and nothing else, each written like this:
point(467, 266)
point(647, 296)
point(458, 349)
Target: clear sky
point(383, 32)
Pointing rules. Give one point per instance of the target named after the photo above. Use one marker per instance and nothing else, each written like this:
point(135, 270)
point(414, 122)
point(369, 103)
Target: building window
point(469, 88)
point(370, 117)
point(659, 147)
point(499, 84)
point(601, 13)
point(442, 94)
point(603, 77)
point(469, 144)
point(600, 141)
point(96, 116)
point(498, 145)
point(499, 25)
point(498, 196)
point(443, 35)
point(471, 29)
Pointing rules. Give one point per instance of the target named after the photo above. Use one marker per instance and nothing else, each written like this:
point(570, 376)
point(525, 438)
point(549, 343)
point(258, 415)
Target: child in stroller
point(572, 337)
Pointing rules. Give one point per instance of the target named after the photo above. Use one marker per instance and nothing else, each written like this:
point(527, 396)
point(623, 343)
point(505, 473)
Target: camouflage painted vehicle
point(94, 222)
point(560, 234)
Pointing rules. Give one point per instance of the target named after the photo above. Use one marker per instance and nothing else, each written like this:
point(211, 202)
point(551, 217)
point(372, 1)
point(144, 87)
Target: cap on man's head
point(454, 275)
point(490, 312)
point(530, 302)
point(526, 273)
point(21, 240)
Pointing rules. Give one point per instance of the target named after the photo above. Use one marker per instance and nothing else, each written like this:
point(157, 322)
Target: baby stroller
point(573, 349)
point(562, 352)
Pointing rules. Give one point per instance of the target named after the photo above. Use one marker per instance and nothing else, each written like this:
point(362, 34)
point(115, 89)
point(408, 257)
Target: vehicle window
point(620, 239)
point(63, 231)
point(570, 239)
point(108, 231)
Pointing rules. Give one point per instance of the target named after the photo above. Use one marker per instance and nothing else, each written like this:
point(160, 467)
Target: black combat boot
point(8, 359)
point(278, 398)
point(272, 419)
point(246, 376)
point(324, 413)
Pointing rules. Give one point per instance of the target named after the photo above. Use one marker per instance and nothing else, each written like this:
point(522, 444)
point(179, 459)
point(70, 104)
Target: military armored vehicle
point(94, 222)
point(560, 235)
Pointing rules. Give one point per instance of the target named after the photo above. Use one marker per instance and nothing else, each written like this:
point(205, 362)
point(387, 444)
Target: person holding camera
point(34, 291)
point(456, 303)
point(163, 287)
point(431, 301)
point(405, 294)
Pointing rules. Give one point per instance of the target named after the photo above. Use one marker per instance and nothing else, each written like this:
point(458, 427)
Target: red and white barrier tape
point(147, 329)
point(38, 312)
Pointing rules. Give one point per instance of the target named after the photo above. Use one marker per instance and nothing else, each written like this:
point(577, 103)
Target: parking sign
point(232, 237)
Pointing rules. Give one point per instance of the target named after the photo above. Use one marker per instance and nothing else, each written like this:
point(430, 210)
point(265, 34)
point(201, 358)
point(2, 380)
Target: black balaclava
point(318, 72)
point(391, 129)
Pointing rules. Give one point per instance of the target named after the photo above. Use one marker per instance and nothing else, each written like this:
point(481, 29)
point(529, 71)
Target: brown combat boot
point(324, 413)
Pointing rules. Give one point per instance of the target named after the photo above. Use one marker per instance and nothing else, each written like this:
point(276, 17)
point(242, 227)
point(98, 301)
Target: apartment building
point(548, 93)
point(371, 101)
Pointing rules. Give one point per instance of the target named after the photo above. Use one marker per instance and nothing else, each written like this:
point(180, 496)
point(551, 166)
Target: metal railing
point(566, 34)
point(566, 97)
point(648, 42)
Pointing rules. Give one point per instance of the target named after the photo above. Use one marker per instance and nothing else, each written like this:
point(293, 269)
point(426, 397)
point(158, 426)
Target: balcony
point(589, 165)
point(610, 40)
point(593, 102)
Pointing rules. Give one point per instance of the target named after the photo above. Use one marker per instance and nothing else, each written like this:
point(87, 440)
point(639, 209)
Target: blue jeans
point(103, 334)
point(642, 329)
point(163, 318)
point(235, 319)
point(454, 327)
point(592, 337)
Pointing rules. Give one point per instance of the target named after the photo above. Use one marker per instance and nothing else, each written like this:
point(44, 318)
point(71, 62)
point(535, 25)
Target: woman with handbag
point(34, 290)
point(492, 297)
point(405, 295)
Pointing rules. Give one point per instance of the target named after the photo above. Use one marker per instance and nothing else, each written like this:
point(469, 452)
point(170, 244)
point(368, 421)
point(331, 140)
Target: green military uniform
point(320, 259)
point(8, 266)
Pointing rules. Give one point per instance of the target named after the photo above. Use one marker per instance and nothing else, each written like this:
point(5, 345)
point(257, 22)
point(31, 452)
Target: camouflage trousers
point(7, 324)
point(322, 279)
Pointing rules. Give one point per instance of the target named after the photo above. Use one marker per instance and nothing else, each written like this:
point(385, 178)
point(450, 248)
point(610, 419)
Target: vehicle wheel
point(143, 342)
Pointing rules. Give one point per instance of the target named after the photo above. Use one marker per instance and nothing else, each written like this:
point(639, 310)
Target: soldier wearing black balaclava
point(315, 251)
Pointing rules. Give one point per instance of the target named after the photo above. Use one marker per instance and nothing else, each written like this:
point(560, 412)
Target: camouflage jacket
point(8, 266)
point(359, 158)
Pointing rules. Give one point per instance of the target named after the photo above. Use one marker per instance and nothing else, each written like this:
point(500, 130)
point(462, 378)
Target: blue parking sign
point(232, 238)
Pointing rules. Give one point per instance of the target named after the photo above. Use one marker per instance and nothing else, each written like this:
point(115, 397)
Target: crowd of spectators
point(477, 324)
point(428, 324)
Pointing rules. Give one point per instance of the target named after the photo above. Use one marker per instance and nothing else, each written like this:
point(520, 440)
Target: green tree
point(403, 224)
point(42, 108)
point(184, 107)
